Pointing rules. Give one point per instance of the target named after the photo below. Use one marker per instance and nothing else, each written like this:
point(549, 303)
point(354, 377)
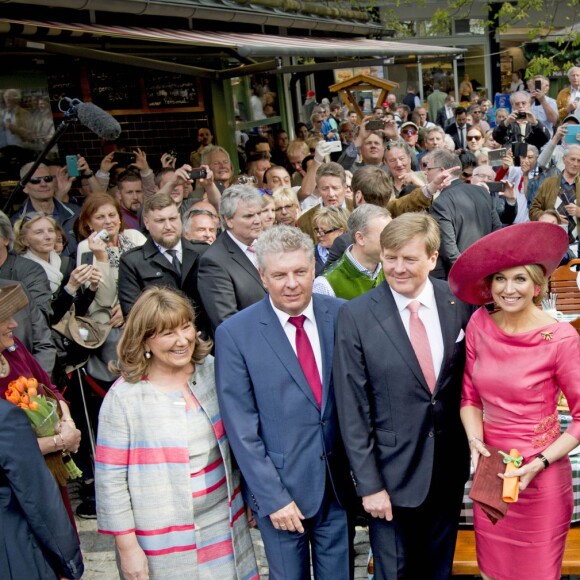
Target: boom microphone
point(92, 117)
point(98, 121)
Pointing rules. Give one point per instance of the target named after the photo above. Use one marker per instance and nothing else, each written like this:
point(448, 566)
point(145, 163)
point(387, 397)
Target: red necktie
point(420, 342)
point(306, 357)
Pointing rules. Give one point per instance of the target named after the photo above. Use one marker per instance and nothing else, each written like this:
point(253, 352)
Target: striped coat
point(143, 478)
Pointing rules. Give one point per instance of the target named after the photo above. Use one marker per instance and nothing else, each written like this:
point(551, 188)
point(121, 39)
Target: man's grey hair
point(361, 217)
point(194, 213)
point(26, 168)
point(445, 160)
point(232, 197)
point(6, 231)
point(570, 149)
point(280, 240)
point(533, 149)
point(210, 150)
point(571, 70)
point(522, 93)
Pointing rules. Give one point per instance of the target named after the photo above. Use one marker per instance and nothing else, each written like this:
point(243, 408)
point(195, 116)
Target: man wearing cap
point(398, 365)
point(410, 135)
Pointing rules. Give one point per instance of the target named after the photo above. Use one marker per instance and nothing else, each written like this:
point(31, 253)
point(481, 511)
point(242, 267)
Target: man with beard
point(130, 196)
point(166, 258)
point(204, 139)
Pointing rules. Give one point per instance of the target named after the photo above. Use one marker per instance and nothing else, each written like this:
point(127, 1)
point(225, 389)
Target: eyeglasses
point(474, 137)
point(409, 132)
point(37, 180)
point(247, 180)
point(321, 233)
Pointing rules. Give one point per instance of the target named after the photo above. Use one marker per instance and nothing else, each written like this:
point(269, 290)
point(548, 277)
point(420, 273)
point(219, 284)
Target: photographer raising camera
point(521, 125)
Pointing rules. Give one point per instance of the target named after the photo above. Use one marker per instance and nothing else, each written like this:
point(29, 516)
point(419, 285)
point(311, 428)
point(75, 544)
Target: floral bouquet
point(43, 416)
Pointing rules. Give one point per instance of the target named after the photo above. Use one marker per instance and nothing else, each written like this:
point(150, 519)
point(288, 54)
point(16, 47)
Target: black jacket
point(146, 266)
point(537, 136)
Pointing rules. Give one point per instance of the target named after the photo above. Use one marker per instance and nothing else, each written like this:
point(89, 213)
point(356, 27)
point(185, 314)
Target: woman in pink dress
point(518, 361)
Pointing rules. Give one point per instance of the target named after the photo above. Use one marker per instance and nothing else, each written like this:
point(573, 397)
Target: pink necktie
point(306, 357)
point(420, 342)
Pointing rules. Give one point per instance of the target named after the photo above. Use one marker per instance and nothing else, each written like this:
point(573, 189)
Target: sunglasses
point(265, 192)
point(33, 215)
point(395, 144)
point(474, 137)
point(37, 180)
point(409, 132)
point(321, 233)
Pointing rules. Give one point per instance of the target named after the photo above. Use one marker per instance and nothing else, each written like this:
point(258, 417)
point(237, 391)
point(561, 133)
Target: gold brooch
point(547, 335)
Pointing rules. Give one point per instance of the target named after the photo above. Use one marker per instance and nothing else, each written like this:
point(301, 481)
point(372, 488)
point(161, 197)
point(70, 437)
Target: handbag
point(78, 337)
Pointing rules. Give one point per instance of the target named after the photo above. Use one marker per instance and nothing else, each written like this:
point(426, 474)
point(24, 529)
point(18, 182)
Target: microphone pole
point(70, 117)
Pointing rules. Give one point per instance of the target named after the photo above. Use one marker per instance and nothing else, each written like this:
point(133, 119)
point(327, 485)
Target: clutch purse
point(487, 487)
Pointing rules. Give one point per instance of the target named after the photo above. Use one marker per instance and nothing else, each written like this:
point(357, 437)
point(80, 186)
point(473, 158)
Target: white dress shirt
point(310, 328)
point(429, 316)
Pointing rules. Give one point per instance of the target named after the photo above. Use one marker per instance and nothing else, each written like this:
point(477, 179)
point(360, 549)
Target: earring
point(147, 354)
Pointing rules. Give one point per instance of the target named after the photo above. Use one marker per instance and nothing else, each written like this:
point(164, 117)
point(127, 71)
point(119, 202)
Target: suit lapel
point(385, 310)
point(239, 257)
point(189, 256)
point(276, 337)
point(325, 325)
point(447, 311)
point(152, 255)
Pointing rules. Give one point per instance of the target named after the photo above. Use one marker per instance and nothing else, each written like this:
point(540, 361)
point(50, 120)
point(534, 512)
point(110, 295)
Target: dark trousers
point(326, 533)
point(419, 543)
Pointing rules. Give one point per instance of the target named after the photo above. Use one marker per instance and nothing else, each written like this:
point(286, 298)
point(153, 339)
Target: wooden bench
point(465, 562)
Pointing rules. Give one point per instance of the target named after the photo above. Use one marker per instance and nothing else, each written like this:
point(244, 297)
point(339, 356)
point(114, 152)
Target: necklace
point(4, 367)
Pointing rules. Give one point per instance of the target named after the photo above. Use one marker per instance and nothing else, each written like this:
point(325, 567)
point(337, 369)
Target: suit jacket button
point(322, 456)
point(158, 273)
point(431, 434)
point(433, 402)
point(322, 423)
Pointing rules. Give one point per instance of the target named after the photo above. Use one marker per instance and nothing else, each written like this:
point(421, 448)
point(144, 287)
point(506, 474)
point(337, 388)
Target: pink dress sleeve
point(568, 378)
point(469, 395)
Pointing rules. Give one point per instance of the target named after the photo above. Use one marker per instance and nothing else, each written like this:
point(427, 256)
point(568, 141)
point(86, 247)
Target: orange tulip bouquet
point(43, 414)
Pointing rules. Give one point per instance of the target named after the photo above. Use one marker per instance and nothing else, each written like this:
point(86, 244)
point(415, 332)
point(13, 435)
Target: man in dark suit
point(445, 113)
point(458, 129)
point(398, 390)
point(465, 212)
point(274, 381)
point(228, 278)
point(166, 259)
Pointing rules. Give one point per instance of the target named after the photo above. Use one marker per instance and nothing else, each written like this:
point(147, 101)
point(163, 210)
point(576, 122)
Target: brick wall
point(154, 133)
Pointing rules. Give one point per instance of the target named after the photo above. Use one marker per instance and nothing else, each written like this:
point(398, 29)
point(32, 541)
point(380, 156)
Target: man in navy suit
point(398, 369)
point(274, 380)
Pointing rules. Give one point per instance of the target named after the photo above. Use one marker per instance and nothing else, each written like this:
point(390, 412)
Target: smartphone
point(495, 186)
point(72, 166)
point(87, 258)
point(375, 125)
point(538, 85)
point(335, 146)
point(124, 158)
point(495, 157)
point(572, 131)
point(198, 173)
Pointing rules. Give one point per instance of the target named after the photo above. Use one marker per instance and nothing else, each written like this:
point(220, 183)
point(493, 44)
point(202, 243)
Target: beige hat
point(12, 299)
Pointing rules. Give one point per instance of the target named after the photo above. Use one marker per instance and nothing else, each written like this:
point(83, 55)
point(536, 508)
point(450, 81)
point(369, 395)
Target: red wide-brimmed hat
point(519, 245)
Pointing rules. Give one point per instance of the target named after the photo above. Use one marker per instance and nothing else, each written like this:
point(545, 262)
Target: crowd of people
point(350, 378)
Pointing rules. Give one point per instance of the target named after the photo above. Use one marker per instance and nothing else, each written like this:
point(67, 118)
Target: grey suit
point(465, 214)
point(227, 280)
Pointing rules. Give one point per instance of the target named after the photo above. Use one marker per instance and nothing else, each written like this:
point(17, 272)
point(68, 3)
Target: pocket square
point(461, 336)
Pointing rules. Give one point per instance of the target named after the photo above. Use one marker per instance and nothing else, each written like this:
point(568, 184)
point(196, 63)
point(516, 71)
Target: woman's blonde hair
point(156, 310)
point(538, 278)
point(333, 217)
point(23, 224)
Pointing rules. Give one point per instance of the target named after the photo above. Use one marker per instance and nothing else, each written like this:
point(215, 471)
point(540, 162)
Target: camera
point(172, 154)
point(198, 173)
point(102, 235)
point(124, 158)
point(521, 115)
point(246, 180)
